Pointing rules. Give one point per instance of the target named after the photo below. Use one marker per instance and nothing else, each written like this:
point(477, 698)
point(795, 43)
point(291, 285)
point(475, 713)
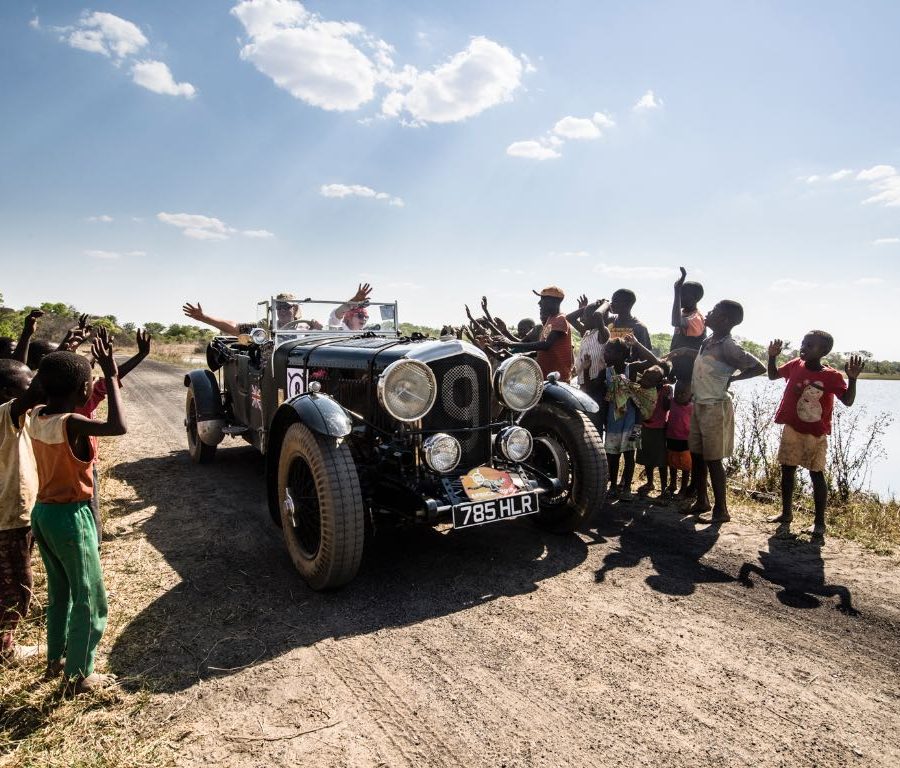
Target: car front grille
point(463, 403)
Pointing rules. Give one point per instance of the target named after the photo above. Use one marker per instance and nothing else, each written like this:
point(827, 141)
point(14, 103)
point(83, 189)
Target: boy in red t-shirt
point(805, 411)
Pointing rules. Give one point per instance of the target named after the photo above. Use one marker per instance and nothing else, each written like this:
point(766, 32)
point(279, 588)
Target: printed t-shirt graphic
point(808, 400)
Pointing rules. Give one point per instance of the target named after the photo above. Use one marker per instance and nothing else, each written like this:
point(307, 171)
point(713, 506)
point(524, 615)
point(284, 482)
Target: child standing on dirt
point(98, 395)
point(678, 428)
point(628, 403)
point(805, 411)
point(652, 453)
point(62, 521)
point(711, 438)
point(18, 490)
point(688, 323)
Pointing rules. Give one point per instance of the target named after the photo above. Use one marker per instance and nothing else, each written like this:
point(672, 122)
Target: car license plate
point(481, 512)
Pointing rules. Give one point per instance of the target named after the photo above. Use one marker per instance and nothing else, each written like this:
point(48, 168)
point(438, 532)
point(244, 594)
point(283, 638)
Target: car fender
point(208, 401)
point(566, 396)
point(321, 413)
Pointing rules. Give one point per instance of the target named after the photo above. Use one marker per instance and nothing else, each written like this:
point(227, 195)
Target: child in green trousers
point(64, 450)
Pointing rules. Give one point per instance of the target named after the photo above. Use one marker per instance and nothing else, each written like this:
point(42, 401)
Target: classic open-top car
point(359, 424)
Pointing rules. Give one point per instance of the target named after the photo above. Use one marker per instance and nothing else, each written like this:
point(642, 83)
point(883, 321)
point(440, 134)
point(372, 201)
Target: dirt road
point(648, 641)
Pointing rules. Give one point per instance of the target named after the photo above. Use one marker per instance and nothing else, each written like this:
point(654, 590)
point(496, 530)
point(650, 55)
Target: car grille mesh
point(463, 403)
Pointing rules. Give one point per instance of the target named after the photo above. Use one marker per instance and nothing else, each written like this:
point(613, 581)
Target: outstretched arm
point(79, 426)
point(646, 352)
point(678, 320)
point(537, 346)
point(775, 348)
point(28, 329)
point(228, 327)
point(143, 344)
point(853, 368)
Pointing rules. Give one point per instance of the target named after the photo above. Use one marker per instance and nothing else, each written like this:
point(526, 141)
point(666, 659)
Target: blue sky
point(159, 152)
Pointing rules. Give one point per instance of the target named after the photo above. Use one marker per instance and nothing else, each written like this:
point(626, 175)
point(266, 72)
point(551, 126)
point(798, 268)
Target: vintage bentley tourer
point(358, 425)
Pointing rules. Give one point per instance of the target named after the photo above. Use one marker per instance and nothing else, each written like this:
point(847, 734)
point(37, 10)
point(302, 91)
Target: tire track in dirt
point(522, 658)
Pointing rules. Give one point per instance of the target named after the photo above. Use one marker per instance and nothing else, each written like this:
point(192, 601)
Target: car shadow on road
point(674, 544)
point(796, 566)
point(240, 601)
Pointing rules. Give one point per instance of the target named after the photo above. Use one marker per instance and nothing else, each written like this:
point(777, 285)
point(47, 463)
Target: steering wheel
point(298, 324)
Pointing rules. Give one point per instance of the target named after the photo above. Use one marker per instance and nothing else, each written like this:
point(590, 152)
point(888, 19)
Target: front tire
point(200, 452)
point(322, 512)
point(568, 445)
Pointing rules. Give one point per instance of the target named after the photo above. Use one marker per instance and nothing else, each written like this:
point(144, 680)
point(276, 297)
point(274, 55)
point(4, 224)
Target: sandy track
point(647, 640)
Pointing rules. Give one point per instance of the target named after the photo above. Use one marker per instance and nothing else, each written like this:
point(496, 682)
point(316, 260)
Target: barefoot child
point(61, 520)
point(628, 404)
point(712, 422)
point(678, 428)
point(18, 489)
point(805, 411)
point(652, 453)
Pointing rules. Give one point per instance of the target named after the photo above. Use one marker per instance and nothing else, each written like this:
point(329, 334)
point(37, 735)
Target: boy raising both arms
point(62, 522)
point(711, 437)
point(805, 411)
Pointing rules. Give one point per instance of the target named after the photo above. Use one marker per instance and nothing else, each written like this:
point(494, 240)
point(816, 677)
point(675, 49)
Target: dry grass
point(115, 729)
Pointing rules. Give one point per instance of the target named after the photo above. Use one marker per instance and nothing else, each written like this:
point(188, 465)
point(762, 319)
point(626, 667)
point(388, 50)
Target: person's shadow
point(674, 544)
point(796, 565)
point(239, 600)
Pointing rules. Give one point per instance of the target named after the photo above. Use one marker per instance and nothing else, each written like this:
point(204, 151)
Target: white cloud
point(35, 23)
point(876, 172)
point(111, 255)
point(839, 175)
point(358, 190)
point(102, 219)
point(813, 179)
point(199, 227)
point(96, 254)
point(531, 150)
point(118, 38)
point(106, 34)
point(647, 102)
point(567, 128)
point(634, 273)
point(886, 241)
point(789, 285)
point(155, 76)
point(569, 254)
point(868, 281)
point(483, 75)
point(338, 65)
point(884, 183)
point(576, 128)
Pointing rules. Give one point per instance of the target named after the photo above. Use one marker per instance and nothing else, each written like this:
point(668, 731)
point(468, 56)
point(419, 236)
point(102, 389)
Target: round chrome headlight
point(442, 452)
point(519, 383)
point(407, 390)
point(259, 336)
point(515, 443)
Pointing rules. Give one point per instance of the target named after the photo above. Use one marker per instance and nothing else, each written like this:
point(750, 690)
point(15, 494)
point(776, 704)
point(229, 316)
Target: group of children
point(675, 414)
point(48, 492)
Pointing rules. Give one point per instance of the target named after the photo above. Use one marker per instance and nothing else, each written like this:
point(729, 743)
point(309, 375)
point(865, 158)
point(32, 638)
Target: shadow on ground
point(674, 544)
point(796, 566)
point(240, 601)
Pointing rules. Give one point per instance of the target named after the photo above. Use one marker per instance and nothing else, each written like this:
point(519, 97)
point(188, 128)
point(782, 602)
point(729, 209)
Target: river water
point(873, 398)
